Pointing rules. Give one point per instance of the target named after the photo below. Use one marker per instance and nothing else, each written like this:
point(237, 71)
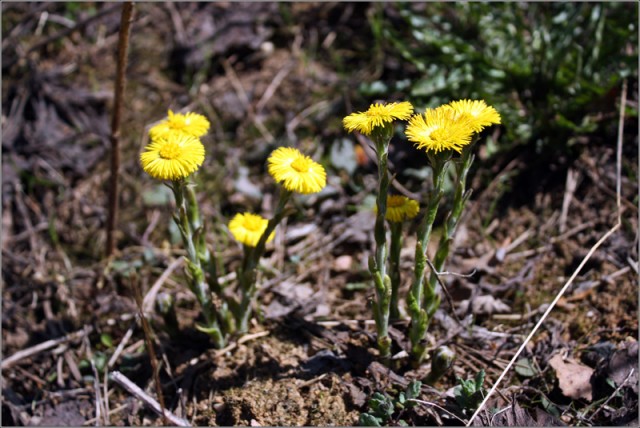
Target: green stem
point(394, 268)
point(192, 207)
point(459, 200)
point(417, 293)
point(247, 272)
point(198, 284)
point(382, 282)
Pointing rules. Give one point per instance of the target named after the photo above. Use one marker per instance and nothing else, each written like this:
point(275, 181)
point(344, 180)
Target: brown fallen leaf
point(573, 377)
point(621, 364)
point(483, 305)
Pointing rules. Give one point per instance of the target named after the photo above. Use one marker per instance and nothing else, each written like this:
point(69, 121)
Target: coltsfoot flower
point(189, 123)
point(296, 172)
point(478, 112)
point(377, 115)
point(401, 208)
point(172, 157)
point(440, 129)
point(247, 228)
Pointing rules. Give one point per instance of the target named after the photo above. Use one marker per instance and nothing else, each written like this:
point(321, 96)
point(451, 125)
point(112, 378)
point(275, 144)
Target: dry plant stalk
point(148, 337)
point(123, 47)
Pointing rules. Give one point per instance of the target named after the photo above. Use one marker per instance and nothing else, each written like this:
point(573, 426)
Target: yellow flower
point(296, 172)
point(440, 129)
point(401, 208)
point(190, 123)
point(247, 228)
point(377, 115)
point(172, 157)
point(479, 113)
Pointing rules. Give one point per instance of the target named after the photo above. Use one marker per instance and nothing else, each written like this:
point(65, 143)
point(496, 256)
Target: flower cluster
point(173, 154)
point(448, 127)
point(451, 126)
point(175, 150)
point(297, 173)
point(378, 115)
point(441, 132)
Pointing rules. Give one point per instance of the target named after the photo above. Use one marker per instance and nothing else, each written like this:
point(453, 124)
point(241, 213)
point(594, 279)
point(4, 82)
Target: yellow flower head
point(377, 115)
point(401, 208)
point(439, 129)
point(479, 113)
point(248, 228)
point(296, 172)
point(172, 157)
point(190, 123)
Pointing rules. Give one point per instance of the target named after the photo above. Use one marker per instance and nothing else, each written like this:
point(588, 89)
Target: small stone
point(343, 263)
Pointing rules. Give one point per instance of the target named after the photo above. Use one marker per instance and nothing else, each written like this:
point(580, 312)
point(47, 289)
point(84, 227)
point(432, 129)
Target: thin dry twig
point(244, 99)
point(44, 346)
point(243, 339)
point(149, 343)
point(429, 403)
point(273, 86)
point(100, 413)
point(613, 394)
point(111, 412)
point(63, 33)
point(445, 291)
point(124, 382)
point(150, 297)
point(121, 345)
point(586, 258)
point(572, 183)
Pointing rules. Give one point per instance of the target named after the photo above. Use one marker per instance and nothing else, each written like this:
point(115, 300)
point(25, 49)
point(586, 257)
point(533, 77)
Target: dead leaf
point(622, 362)
point(574, 378)
point(515, 415)
point(483, 305)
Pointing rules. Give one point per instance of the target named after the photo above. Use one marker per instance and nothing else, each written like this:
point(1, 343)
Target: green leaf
point(479, 380)
point(100, 360)
point(106, 340)
point(367, 420)
point(413, 390)
point(525, 368)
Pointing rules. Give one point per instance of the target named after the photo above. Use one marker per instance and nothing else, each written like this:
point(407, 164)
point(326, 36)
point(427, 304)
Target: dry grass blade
point(584, 261)
point(149, 343)
point(150, 297)
point(123, 381)
point(41, 347)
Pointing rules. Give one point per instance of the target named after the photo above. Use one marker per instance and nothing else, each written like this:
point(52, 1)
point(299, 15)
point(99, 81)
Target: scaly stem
point(459, 200)
point(247, 272)
point(381, 281)
point(194, 244)
point(394, 268)
point(206, 257)
point(418, 294)
point(192, 207)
